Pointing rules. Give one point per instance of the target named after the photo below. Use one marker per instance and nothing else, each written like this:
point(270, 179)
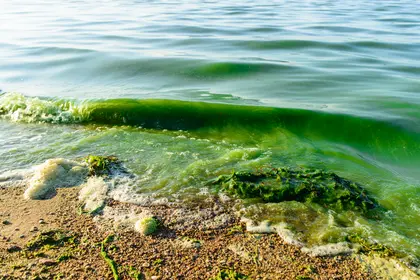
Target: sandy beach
point(52, 239)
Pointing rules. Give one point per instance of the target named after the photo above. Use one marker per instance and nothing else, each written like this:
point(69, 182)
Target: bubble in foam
point(52, 174)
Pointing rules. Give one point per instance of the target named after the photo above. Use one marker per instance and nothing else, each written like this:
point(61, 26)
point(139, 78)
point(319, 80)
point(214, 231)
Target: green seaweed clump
point(50, 239)
point(134, 273)
point(229, 275)
point(369, 248)
point(283, 184)
point(100, 165)
point(147, 226)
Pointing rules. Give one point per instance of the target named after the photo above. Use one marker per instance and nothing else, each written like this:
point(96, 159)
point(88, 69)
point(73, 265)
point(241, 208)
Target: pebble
point(47, 262)
point(41, 221)
point(13, 248)
point(30, 265)
point(22, 236)
point(33, 229)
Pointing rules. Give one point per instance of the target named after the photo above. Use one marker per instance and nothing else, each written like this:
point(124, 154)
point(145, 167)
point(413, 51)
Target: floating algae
point(283, 184)
point(311, 208)
point(368, 247)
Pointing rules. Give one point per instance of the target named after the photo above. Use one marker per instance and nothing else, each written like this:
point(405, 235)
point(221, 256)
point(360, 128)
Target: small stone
point(155, 277)
point(16, 229)
point(33, 229)
point(47, 262)
point(41, 221)
point(13, 249)
point(6, 222)
point(22, 236)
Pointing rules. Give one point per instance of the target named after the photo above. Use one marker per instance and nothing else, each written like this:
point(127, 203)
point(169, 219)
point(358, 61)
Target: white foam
point(94, 193)
point(328, 249)
point(52, 174)
point(15, 175)
point(287, 235)
point(121, 219)
point(262, 227)
point(15, 178)
point(19, 108)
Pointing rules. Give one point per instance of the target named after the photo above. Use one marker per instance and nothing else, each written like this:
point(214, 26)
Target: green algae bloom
point(283, 184)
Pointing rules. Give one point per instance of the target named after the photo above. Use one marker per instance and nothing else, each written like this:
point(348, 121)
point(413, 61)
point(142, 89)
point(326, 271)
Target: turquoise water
point(186, 91)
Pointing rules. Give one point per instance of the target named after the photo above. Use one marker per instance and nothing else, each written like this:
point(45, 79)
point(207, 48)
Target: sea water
point(185, 91)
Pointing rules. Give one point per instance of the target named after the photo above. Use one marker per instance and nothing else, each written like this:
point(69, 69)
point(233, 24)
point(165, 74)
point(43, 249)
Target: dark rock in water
point(283, 184)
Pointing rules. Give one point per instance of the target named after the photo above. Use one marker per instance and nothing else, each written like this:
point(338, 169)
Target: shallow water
point(183, 92)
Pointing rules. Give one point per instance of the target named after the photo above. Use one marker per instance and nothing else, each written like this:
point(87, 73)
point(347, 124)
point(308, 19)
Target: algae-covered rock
point(101, 165)
point(283, 184)
point(147, 226)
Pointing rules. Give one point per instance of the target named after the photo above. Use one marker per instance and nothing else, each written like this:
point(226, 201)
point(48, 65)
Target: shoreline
point(172, 253)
